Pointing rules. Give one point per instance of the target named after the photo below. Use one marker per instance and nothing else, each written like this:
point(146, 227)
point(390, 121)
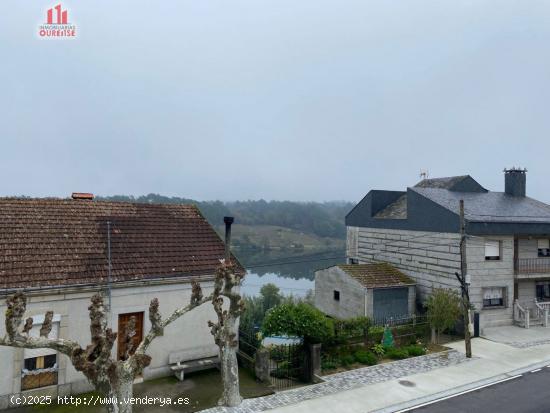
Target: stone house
point(507, 246)
point(61, 252)
point(376, 290)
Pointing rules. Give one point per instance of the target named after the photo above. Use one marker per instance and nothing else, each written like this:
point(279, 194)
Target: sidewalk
point(493, 361)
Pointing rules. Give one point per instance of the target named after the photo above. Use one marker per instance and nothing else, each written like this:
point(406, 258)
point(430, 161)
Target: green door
point(390, 302)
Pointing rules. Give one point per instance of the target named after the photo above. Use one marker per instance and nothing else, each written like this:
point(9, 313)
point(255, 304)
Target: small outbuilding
point(376, 290)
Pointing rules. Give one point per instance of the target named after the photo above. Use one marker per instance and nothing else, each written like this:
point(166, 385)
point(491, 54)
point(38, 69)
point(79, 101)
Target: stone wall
point(352, 294)
point(432, 259)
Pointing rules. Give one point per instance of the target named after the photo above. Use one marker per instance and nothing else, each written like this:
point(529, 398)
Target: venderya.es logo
point(57, 24)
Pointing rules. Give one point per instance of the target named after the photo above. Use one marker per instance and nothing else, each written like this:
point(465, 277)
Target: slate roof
point(377, 275)
point(489, 206)
point(55, 242)
point(443, 183)
point(395, 210)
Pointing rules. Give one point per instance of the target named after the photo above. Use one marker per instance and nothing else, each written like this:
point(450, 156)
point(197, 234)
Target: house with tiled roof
point(62, 251)
point(377, 290)
point(507, 244)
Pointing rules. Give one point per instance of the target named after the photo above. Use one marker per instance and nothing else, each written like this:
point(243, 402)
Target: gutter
point(73, 288)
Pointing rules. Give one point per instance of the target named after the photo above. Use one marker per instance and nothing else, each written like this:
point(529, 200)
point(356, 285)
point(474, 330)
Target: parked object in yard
point(196, 359)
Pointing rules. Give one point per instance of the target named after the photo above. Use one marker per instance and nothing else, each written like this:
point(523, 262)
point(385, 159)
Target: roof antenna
point(424, 174)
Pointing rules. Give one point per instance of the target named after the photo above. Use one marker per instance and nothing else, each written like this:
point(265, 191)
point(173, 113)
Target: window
point(543, 247)
point(39, 371)
point(543, 292)
point(493, 297)
point(492, 250)
point(337, 295)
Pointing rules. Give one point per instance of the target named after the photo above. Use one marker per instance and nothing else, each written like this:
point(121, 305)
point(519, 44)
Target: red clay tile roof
point(377, 275)
point(49, 242)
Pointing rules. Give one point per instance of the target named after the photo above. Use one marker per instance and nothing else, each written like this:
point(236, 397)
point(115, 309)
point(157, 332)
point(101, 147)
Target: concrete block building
point(61, 252)
point(417, 231)
point(376, 290)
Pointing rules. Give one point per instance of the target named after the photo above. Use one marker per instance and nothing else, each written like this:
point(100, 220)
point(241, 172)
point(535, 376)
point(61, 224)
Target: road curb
point(404, 406)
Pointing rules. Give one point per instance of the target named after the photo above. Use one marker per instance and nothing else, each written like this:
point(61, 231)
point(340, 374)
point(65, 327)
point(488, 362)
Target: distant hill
point(325, 220)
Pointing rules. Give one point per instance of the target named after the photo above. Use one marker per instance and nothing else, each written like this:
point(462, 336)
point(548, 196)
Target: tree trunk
point(229, 367)
point(230, 377)
point(121, 395)
point(434, 339)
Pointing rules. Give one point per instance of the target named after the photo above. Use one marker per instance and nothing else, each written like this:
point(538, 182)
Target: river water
point(293, 274)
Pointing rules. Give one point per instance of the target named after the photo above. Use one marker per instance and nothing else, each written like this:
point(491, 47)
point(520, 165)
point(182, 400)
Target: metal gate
point(288, 365)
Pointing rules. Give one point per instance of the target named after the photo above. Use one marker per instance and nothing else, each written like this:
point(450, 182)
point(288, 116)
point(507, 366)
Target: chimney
point(228, 221)
point(515, 181)
point(82, 195)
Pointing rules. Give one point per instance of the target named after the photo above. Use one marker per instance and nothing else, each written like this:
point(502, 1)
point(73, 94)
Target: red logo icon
point(61, 16)
point(57, 24)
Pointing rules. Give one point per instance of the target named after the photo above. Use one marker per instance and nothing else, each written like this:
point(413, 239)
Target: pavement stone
point(347, 380)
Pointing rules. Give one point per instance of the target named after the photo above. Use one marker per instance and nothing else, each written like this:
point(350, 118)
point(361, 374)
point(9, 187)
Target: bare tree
point(225, 330)
point(111, 378)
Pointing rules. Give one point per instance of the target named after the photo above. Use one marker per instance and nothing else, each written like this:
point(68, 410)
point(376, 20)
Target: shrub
point(328, 365)
point(415, 350)
point(346, 360)
point(443, 309)
point(397, 353)
point(378, 349)
point(365, 357)
point(298, 320)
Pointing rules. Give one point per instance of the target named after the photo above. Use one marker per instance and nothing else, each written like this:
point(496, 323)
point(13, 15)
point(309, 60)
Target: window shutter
point(543, 243)
point(492, 248)
point(35, 332)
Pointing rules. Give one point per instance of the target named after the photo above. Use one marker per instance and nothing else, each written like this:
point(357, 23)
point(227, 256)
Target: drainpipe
point(228, 221)
point(366, 302)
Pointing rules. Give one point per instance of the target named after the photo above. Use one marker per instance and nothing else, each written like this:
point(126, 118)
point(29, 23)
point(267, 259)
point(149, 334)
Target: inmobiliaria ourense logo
point(57, 24)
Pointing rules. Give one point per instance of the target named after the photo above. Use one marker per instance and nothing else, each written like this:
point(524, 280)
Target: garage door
point(390, 302)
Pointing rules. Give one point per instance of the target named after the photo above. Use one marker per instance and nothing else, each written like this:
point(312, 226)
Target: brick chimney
point(82, 196)
point(515, 181)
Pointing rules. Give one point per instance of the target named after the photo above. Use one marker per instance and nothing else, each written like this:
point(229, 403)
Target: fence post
point(261, 365)
point(314, 364)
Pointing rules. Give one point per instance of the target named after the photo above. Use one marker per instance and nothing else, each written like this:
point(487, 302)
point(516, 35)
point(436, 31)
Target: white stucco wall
point(186, 334)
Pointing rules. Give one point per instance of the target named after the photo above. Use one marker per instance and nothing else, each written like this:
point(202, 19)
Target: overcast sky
point(274, 99)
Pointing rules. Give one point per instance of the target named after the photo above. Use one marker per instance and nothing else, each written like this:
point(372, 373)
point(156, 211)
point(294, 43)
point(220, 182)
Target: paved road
point(529, 393)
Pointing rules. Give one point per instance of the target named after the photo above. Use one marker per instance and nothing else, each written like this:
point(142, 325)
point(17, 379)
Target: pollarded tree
point(225, 330)
point(111, 378)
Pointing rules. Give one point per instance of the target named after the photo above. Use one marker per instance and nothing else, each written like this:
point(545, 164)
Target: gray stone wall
point(491, 274)
point(352, 294)
point(429, 258)
point(432, 259)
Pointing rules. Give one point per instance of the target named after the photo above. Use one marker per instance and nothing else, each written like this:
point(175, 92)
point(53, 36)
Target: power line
point(293, 262)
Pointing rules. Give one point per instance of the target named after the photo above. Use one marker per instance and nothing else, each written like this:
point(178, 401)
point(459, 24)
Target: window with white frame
point(492, 250)
point(543, 247)
point(494, 297)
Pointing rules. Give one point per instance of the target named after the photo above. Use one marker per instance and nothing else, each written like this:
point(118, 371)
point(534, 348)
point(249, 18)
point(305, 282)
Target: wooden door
point(123, 320)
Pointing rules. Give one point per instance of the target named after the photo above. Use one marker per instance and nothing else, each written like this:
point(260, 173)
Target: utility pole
point(464, 280)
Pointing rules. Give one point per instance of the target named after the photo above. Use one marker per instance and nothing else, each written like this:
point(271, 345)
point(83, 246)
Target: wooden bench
point(195, 359)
